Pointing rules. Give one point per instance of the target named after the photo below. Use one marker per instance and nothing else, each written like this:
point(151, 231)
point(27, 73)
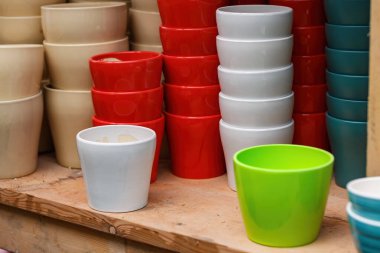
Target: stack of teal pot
point(347, 55)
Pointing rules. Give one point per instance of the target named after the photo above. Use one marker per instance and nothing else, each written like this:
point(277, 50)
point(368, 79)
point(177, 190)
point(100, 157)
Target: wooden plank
point(25, 232)
point(373, 143)
point(182, 215)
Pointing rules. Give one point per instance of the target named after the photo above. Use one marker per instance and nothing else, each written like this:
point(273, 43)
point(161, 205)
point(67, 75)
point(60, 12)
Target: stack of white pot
point(145, 22)
point(73, 33)
point(255, 74)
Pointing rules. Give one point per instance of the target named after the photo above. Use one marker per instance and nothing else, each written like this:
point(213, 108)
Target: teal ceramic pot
point(364, 195)
point(347, 86)
point(366, 232)
point(347, 12)
point(347, 62)
point(348, 141)
point(354, 110)
point(347, 37)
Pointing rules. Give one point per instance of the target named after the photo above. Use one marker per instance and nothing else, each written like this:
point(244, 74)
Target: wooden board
point(182, 215)
point(373, 143)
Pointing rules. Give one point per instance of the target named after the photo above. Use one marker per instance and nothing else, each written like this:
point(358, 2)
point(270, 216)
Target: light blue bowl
point(347, 12)
point(366, 232)
point(347, 86)
point(364, 194)
point(347, 62)
point(347, 37)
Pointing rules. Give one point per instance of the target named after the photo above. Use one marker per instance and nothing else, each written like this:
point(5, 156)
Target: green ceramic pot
point(282, 190)
point(347, 62)
point(354, 110)
point(347, 86)
point(348, 141)
point(347, 12)
point(347, 37)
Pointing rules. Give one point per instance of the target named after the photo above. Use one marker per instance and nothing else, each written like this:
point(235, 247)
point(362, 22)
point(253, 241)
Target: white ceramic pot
point(21, 68)
point(256, 84)
point(20, 127)
point(143, 47)
point(145, 5)
point(256, 113)
point(145, 27)
point(236, 138)
point(254, 54)
point(117, 162)
point(249, 22)
point(68, 63)
point(89, 22)
point(68, 113)
point(21, 30)
point(18, 8)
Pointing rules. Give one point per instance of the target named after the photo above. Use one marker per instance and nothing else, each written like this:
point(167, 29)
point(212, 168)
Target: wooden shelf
point(182, 215)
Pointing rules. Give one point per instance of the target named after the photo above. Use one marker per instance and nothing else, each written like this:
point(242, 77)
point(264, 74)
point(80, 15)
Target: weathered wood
point(373, 145)
point(182, 215)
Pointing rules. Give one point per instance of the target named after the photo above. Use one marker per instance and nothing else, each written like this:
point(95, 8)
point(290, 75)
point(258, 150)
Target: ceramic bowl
point(68, 113)
point(237, 138)
point(310, 98)
point(254, 54)
point(347, 62)
point(309, 40)
point(21, 69)
point(21, 30)
point(84, 22)
point(145, 47)
point(68, 63)
point(309, 69)
point(347, 12)
point(145, 5)
point(256, 113)
point(256, 84)
point(352, 110)
point(190, 14)
point(365, 231)
point(347, 37)
point(365, 197)
point(347, 86)
point(20, 127)
point(145, 27)
point(124, 107)
point(17, 8)
point(264, 22)
point(182, 42)
point(134, 71)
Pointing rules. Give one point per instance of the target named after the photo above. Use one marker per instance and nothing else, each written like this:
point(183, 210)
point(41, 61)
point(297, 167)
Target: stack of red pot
point(127, 90)
point(309, 84)
point(188, 35)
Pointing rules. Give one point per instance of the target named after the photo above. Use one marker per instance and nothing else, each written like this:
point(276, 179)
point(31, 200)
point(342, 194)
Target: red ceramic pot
point(309, 40)
point(309, 70)
point(136, 70)
point(310, 130)
point(245, 2)
point(305, 12)
point(191, 14)
point(189, 41)
point(195, 146)
point(192, 100)
point(157, 125)
point(310, 98)
point(192, 71)
point(119, 107)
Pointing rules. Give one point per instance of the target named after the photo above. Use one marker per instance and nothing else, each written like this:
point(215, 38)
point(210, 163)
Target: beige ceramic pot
point(128, 2)
point(145, 27)
point(68, 63)
point(143, 47)
point(16, 8)
point(21, 30)
point(20, 127)
point(21, 68)
point(68, 113)
point(145, 5)
point(88, 22)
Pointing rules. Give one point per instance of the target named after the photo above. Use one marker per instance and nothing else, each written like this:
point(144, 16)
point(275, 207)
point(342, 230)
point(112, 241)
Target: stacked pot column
point(347, 54)
point(73, 33)
point(127, 90)
point(309, 82)
point(188, 34)
point(255, 74)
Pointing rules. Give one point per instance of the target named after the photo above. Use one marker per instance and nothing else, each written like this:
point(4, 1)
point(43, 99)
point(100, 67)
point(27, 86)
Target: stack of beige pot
point(145, 22)
point(73, 33)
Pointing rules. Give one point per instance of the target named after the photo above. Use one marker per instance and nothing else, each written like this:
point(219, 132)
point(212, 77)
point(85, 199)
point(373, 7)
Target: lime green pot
point(282, 190)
